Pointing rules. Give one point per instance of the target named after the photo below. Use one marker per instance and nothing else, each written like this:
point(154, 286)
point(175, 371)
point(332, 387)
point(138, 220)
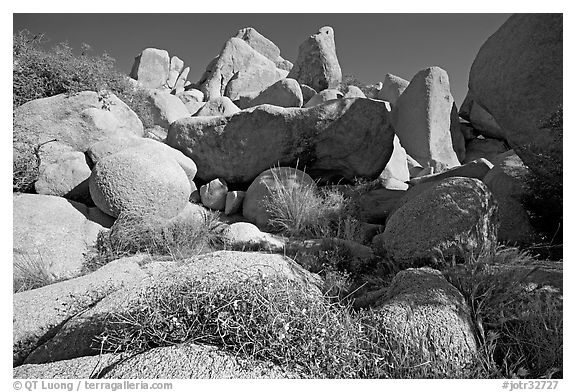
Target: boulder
point(517, 77)
point(141, 146)
point(421, 118)
point(238, 69)
point(484, 148)
point(475, 169)
point(392, 87)
point(414, 168)
point(192, 95)
point(191, 361)
point(39, 313)
point(317, 64)
point(458, 142)
point(468, 131)
point(213, 194)
point(166, 108)
point(375, 206)
point(344, 138)
point(234, 201)
point(62, 172)
point(83, 367)
point(263, 46)
point(285, 93)
point(181, 81)
point(219, 106)
point(354, 92)
point(307, 92)
point(396, 168)
point(176, 67)
point(507, 181)
point(246, 236)
point(78, 120)
point(151, 68)
point(323, 96)
point(453, 218)
point(133, 181)
point(53, 235)
point(264, 186)
point(426, 321)
point(484, 123)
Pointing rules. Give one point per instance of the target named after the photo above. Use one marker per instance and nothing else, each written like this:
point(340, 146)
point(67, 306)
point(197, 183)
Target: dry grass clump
point(136, 232)
point(31, 273)
point(519, 322)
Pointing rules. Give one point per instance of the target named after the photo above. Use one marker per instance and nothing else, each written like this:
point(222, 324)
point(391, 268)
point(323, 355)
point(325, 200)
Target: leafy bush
point(39, 73)
point(519, 323)
point(544, 201)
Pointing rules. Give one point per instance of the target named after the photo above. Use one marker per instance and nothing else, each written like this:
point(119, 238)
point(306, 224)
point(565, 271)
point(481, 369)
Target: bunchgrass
point(31, 273)
point(136, 232)
point(519, 322)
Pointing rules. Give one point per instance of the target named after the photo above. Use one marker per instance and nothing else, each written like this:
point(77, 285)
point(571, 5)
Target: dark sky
point(368, 45)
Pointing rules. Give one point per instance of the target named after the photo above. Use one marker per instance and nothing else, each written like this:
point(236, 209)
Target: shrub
point(544, 201)
point(39, 73)
point(135, 232)
point(519, 324)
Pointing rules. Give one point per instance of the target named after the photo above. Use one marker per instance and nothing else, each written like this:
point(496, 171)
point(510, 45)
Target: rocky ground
point(273, 223)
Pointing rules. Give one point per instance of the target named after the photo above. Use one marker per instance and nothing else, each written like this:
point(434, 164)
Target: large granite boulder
point(421, 118)
point(508, 182)
point(219, 106)
point(265, 186)
point(63, 127)
point(427, 321)
point(396, 170)
point(475, 169)
point(151, 68)
point(317, 64)
point(484, 148)
point(238, 70)
point(53, 234)
point(323, 96)
point(264, 46)
point(140, 180)
point(454, 218)
point(166, 108)
point(517, 77)
point(285, 93)
point(40, 313)
point(392, 87)
point(343, 138)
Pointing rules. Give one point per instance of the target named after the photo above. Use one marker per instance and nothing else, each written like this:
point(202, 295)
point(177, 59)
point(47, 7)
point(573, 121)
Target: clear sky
point(368, 45)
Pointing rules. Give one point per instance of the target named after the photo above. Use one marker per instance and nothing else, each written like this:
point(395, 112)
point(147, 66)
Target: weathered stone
point(376, 205)
point(421, 118)
point(84, 368)
point(213, 194)
point(317, 64)
point(428, 320)
point(239, 69)
point(181, 81)
point(484, 148)
point(475, 169)
point(220, 106)
point(131, 181)
point(392, 87)
point(344, 138)
point(468, 131)
point(246, 236)
point(53, 234)
point(166, 108)
point(234, 201)
point(453, 218)
point(141, 146)
point(413, 166)
point(483, 121)
point(354, 92)
point(307, 92)
point(192, 95)
point(517, 76)
point(396, 168)
point(176, 67)
point(507, 181)
point(323, 96)
point(264, 46)
point(78, 120)
point(39, 313)
point(458, 142)
point(265, 185)
point(62, 172)
point(285, 93)
point(151, 68)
